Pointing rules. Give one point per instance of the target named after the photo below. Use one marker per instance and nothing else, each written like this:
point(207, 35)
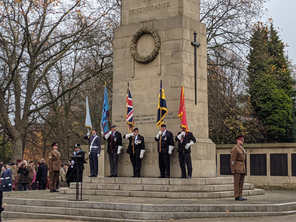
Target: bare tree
point(34, 37)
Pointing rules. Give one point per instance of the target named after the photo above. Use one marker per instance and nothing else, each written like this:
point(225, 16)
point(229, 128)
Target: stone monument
point(154, 41)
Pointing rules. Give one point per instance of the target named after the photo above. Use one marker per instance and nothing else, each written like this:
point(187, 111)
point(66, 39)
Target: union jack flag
point(129, 117)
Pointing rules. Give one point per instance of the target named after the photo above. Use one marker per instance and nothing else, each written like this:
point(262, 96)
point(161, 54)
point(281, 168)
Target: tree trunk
point(17, 147)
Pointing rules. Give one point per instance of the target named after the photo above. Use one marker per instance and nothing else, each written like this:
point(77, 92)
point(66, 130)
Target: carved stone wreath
point(154, 53)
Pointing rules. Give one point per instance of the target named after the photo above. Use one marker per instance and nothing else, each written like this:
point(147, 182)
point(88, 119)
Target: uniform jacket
point(139, 145)
point(113, 142)
point(54, 160)
point(24, 175)
point(166, 141)
point(181, 146)
point(237, 159)
point(42, 174)
point(96, 144)
point(80, 161)
point(6, 180)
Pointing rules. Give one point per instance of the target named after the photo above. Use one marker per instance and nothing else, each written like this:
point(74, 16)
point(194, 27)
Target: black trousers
point(185, 158)
point(1, 198)
point(136, 162)
point(42, 186)
point(93, 164)
point(113, 159)
point(164, 164)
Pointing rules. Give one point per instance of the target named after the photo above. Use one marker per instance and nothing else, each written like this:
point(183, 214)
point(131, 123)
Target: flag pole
point(160, 113)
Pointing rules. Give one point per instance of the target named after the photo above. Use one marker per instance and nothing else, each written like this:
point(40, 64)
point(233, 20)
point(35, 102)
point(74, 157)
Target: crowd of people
point(24, 175)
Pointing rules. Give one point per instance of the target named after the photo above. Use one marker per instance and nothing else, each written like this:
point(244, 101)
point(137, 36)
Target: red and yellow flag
point(182, 110)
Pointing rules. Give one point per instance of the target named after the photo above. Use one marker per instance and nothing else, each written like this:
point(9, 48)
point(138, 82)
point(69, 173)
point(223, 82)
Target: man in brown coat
point(54, 167)
point(238, 167)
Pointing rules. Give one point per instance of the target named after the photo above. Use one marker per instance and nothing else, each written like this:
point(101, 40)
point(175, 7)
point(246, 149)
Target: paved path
point(291, 218)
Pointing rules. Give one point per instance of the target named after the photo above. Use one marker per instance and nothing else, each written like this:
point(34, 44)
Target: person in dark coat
point(165, 144)
point(79, 162)
point(185, 140)
point(1, 199)
point(24, 179)
point(136, 150)
point(70, 173)
point(94, 151)
point(7, 178)
point(114, 149)
point(42, 175)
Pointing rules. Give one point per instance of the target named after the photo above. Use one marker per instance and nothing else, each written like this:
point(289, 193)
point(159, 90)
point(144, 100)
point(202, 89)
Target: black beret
point(135, 129)
point(113, 126)
point(163, 125)
point(95, 129)
point(77, 145)
point(54, 144)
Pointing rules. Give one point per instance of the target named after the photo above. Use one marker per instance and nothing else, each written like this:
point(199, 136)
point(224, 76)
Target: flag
point(129, 116)
point(105, 113)
point(162, 107)
point(87, 117)
point(182, 110)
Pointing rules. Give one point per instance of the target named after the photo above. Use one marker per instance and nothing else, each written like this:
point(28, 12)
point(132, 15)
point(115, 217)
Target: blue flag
point(105, 113)
point(162, 107)
point(87, 117)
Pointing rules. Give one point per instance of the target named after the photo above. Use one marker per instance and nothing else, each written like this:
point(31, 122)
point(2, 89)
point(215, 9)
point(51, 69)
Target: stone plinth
point(175, 23)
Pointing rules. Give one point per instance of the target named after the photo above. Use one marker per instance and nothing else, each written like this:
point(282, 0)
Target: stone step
point(161, 188)
point(172, 195)
point(9, 214)
point(159, 181)
point(167, 216)
point(234, 207)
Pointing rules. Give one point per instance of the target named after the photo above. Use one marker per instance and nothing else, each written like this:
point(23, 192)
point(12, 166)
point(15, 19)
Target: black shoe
point(133, 176)
point(51, 191)
point(138, 176)
point(110, 176)
point(56, 191)
point(161, 177)
point(239, 199)
point(182, 177)
point(1, 209)
point(189, 177)
point(94, 176)
point(243, 198)
point(90, 176)
point(167, 176)
point(114, 175)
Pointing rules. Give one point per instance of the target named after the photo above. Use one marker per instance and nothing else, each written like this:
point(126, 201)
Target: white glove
point(88, 153)
point(129, 135)
point(108, 134)
point(171, 149)
point(119, 149)
point(102, 133)
point(188, 145)
point(88, 134)
point(98, 155)
point(142, 154)
point(157, 135)
point(182, 134)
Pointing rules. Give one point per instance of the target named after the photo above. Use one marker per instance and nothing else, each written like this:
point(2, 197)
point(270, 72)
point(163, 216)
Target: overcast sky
point(283, 14)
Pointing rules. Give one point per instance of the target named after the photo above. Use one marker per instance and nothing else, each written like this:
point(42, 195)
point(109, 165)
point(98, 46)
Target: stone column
point(175, 22)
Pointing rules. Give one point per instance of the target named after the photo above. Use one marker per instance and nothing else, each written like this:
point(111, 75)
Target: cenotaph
point(154, 41)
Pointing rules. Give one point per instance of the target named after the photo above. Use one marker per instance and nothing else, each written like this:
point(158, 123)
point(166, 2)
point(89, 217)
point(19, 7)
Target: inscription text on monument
point(153, 5)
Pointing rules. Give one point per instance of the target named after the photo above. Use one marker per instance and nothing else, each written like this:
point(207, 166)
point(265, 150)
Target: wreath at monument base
point(136, 37)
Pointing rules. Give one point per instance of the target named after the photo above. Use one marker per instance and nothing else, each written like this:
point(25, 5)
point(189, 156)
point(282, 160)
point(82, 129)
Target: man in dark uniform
point(54, 167)
point(136, 150)
point(185, 141)
point(114, 149)
point(79, 162)
point(165, 148)
point(238, 167)
point(94, 151)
